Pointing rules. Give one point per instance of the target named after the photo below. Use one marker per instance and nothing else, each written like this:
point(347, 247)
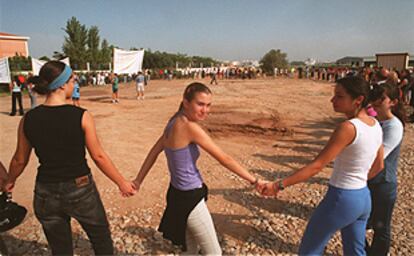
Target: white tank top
point(352, 165)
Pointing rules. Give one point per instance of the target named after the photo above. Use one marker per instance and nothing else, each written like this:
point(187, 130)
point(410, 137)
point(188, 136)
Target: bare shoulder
point(87, 119)
point(345, 131)
point(194, 128)
point(346, 126)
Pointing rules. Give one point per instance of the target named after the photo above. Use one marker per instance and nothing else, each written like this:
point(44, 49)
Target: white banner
point(4, 71)
point(37, 64)
point(128, 62)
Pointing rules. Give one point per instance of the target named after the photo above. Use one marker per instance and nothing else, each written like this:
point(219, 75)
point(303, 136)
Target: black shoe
point(12, 114)
point(21, 113)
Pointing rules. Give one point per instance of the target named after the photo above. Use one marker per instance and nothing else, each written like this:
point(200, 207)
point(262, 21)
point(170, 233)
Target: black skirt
point(179, 206)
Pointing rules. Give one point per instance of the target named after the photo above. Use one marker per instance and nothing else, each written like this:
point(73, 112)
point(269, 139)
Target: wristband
point(280, 185)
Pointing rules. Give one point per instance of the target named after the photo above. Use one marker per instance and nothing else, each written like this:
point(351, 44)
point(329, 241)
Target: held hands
point(137, 184)
point(7, 185)
point(270, 189)
point(127, 188)
point(266, 188)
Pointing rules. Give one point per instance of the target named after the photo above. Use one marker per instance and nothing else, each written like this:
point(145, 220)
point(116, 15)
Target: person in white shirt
point(356, 146)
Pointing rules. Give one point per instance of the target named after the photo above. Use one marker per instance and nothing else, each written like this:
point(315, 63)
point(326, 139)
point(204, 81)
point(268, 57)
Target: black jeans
point(56, 203)
point(17, 96)
point(383, 197)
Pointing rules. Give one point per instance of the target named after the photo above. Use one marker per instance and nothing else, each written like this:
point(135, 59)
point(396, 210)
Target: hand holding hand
point(260, 185)
point(8, 186)
point(270, 189)
point(137, 185)
point(127, 188)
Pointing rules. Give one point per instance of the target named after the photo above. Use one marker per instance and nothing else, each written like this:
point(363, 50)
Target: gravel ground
point(246, 223)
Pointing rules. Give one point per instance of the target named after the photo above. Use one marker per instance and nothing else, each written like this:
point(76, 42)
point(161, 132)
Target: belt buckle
point(82, 181)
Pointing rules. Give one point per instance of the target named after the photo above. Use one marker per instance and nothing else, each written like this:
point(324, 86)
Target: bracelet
point(280, 185)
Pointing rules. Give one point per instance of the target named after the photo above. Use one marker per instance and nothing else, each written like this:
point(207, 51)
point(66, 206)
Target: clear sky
point(223, 29)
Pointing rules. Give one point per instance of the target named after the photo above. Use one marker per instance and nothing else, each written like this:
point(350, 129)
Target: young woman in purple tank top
point(186, 220)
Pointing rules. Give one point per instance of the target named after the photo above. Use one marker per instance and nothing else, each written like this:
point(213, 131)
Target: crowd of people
point(361, 192)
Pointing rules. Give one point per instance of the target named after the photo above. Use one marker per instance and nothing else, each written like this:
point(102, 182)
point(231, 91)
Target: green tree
point(45, 58)
point(20, 63)
point(273, 59)
point(93, 47)
point(105, 54)
point(75, 43)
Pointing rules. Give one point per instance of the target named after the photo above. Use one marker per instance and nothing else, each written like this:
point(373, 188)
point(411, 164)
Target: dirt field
point(271, 126)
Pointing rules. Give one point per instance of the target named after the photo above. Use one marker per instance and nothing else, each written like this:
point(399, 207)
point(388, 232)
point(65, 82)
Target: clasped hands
point(267, 188)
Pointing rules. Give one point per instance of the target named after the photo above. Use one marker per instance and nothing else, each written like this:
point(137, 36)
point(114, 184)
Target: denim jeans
point(341, 209)
point(56, 203)
point(383, 197)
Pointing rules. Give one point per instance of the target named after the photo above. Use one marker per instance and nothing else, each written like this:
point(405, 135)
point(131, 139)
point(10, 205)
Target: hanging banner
point(37, 64)
point(128, 62)
point(4, 71)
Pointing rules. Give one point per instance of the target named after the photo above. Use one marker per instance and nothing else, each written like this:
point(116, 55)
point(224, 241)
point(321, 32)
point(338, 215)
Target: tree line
point(84, 45)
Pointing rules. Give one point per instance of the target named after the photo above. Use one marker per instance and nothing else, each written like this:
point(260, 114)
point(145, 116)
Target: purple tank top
point(182, 164)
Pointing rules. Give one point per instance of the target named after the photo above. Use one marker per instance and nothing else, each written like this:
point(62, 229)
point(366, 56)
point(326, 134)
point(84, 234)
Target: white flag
point(128, 62)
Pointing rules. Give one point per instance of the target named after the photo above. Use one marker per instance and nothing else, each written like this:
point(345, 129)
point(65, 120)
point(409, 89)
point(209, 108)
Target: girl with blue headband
point(64, 187)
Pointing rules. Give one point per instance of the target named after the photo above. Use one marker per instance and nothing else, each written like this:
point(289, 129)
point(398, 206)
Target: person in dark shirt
point(64, 187)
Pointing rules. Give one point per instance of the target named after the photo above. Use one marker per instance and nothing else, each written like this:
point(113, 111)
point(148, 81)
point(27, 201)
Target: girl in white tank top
point(356, 147)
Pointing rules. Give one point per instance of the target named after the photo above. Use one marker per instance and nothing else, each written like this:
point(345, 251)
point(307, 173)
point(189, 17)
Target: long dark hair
point(356, 86)
point(48, 73)
point(393, 92)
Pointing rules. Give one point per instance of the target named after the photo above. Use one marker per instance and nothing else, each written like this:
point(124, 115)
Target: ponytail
point(40, 85)
point(48, 73)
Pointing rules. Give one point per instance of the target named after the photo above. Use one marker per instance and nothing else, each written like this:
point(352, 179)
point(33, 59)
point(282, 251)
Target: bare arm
point(3, 176)
point(101, 159)
point(200, 137)
point(342, 136)
point(378, 164)
point(20, 157)
point(149, 161)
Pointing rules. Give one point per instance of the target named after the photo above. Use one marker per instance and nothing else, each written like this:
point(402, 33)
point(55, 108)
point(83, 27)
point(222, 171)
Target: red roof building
point(12, 45)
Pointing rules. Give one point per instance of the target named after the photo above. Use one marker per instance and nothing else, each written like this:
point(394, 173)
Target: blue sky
point(223, 29)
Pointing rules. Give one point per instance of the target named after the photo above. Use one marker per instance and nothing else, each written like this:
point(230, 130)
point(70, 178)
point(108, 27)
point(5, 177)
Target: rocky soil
point(272, 127)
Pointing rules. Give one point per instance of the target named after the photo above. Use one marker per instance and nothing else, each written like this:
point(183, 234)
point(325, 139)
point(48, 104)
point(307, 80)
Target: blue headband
point(61, 79)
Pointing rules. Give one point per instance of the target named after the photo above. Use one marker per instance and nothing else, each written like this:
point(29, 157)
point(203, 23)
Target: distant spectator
point(16, 92)
point(140, 83)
